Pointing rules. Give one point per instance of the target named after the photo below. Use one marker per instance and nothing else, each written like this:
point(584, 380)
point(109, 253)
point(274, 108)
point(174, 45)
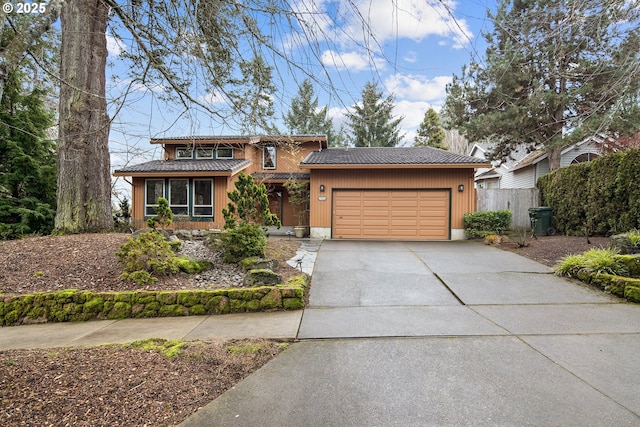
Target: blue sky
point(418, 46)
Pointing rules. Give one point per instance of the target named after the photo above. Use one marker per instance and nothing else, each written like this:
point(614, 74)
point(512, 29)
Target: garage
point(416, 214)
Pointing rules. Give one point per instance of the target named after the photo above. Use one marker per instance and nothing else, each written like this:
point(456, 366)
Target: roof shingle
point(162, 166)
point(389, 156)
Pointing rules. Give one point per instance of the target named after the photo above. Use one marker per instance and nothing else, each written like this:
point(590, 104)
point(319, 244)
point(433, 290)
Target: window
point(268, 157)
point(224, 153)
point(204, 153)
point(154, 189)
point(184, 152)
point(179, 196)
point(202, 197)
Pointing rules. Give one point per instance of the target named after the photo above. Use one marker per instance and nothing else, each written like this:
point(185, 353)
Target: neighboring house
point(524, 169)
point(418, 193)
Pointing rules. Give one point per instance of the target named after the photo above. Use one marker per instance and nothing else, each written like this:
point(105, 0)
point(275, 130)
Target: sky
point(416, 48)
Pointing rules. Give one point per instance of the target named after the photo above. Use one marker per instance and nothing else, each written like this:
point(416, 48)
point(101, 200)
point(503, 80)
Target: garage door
point(391, 214)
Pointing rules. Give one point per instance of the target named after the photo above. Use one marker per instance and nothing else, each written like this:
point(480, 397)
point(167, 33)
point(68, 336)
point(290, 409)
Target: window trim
point(194, 206)
point(146, 191)
point(274, 157)
point(184, 147)
point(218, 156)
point(172, 205)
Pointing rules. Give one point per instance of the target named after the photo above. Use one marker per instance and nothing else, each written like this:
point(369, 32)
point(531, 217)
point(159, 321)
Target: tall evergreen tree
point(372, 123)
point(554, 72)
point(305, 117)
point(27, 160)
point(430, 132)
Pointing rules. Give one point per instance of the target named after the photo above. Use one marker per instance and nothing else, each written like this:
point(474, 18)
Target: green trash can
point(541, 221)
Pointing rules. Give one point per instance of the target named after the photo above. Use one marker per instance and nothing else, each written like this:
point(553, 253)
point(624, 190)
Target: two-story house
point(418, 193)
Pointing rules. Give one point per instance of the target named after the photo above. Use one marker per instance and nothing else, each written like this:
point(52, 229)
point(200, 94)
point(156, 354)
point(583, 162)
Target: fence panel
point(517, 200)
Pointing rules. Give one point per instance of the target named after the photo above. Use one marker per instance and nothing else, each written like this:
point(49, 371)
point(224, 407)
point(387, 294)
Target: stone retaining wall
point(77, 305)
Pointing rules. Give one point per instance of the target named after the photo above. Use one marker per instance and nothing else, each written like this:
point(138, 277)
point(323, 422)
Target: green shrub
point(164, 215)
point(481, 224)
point(594, 261)
point(146, 256)
point(243, 241)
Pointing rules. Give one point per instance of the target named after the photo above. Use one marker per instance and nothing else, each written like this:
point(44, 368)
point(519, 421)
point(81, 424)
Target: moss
point(218, 305)
point(122, 297)
point(94, 305)
point(167, 298)
point(236, 293)
point(237, 305)
point(198, 310)
point(253, 305)
point(12, 317)
point(173, 310)
point(168, 348)
point(248, 348)
point(65, 296)
point(188, 299)
point(632, 293)
point(272, 300)
point(292, 303)
point(143, 297)
point(120, 310)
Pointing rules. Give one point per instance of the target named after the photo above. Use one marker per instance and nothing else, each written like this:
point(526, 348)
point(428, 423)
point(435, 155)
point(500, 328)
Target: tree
point(27, 160)
point(372, 123)
point(430, 132)
point(554, 73)
point(305, 117)
point(249, 203)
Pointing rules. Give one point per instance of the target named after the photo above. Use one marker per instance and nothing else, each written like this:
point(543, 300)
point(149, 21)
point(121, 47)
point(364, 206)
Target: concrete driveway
point(451, 333)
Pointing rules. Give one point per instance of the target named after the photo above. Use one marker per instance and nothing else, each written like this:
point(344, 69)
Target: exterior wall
point(321, 210)
point(522, 178)
point(287, 159)
point(567, 157)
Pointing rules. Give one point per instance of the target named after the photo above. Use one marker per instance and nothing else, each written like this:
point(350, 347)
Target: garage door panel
point(393, 214)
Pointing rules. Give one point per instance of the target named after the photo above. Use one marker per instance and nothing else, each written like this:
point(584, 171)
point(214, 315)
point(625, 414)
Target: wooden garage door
point(391, 214)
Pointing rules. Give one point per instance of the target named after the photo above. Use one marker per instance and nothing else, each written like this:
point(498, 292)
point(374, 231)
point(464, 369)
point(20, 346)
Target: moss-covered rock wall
point(77, 305)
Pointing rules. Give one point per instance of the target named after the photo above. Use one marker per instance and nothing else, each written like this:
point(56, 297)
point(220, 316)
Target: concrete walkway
point(452, 333)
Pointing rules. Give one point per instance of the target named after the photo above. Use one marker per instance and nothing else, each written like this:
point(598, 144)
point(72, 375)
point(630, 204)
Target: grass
point(596, 261)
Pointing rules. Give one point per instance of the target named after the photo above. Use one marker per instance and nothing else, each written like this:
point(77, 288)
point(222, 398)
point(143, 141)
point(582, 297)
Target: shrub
point(243, 241)
point(149, 253)
point(164, 215)
point(594, 261)
point(481, 224)
point(249, 203)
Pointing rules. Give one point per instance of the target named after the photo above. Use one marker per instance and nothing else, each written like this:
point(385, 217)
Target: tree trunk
point(554, 157)
point(84, 181)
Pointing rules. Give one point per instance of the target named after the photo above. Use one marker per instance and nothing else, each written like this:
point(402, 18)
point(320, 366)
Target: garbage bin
point(541, 221)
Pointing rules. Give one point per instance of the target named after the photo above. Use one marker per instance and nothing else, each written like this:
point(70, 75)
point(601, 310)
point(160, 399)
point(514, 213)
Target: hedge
point(78, 305)
point(481, 224)
point(597, 197)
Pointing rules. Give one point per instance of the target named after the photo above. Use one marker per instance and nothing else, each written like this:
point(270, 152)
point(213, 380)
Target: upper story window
point(224, 153)
point(268, 157)
point(204, 153)
point(184, 153)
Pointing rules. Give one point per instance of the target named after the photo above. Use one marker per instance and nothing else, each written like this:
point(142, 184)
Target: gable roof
point(181, 167)
point(240, 139)
point(389, 157)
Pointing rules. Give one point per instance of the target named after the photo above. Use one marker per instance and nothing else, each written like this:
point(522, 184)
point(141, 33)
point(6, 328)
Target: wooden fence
point(517, 200)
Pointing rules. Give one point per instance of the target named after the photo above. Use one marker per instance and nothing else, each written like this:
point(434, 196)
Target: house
point(418, 193)
point(524, 168)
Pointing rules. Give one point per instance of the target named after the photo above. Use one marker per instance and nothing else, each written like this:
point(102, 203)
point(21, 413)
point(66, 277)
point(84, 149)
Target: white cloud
point(114, 46)
point(413, 112)
point(418, 88)
point(212, 98)
point(351, 61)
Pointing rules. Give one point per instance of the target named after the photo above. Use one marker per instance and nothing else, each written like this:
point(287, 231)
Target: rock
point(623, 244)
point(183, 234)
point(256, 263)
point(261, 277)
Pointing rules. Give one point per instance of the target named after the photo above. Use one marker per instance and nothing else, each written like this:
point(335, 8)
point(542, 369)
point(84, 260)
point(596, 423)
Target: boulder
point(261, 277)
point(623, 244)
point(256, 263)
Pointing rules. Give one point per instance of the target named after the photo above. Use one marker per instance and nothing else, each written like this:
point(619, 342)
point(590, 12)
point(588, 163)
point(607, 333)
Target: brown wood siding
point(391, 214)
point(449, 179)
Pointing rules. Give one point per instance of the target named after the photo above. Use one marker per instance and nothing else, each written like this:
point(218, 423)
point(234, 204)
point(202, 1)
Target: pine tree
point(430, 132)
point(554, 72)
point(372, 124)
point(27, 161)
point(305, 117)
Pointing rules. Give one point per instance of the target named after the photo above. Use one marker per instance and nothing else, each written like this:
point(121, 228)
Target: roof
point(239, 139)
point(225, 167)
point(281, 176)
point(388, 156)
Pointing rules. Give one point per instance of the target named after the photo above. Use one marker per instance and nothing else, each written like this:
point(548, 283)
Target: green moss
point(253, 305)
point(122, 297)
point(237, 305)
point(272, 300)
point(94, 305)
point(143, 297)
point(248, 348)
point(218, 305)
point(198, 310)
point(65, 296)
point(168, 348)
point(292, 303)
point(188, 299)
point(173, 310)
point(120, 310)
point(12, 317)
point(632, 293)
point(167, 298)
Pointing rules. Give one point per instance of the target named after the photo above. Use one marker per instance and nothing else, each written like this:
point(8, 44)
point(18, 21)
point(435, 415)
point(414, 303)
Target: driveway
point(451, 333)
